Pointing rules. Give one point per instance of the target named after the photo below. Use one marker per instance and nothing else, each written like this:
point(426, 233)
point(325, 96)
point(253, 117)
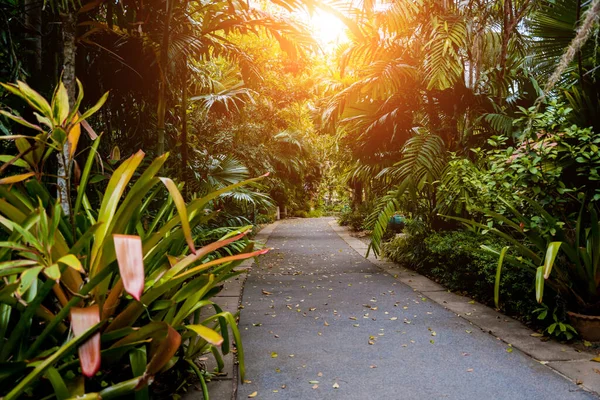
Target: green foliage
point(422, 163)
point(355, 218)
point(64, 272)
point(456, 260)
point(555, 325)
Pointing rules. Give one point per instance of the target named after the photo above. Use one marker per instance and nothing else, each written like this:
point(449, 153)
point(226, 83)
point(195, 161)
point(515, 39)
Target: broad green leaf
point(551, 253)
point(138, 361)
point(16, 263)
point(52, 272)
point(58, 384)
point(207, 334)
point(116, 186)
point(82, 319)
point(72, 261)
point(35, 99)
point(27, 278)
point(60, 104)
point(20, 121)
point(17, 162)
point(539, 284)
point(92, 110)
point(40, 368)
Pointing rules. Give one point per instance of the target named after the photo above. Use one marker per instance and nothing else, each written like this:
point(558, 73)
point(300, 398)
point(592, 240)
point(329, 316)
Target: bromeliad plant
point(123, 286)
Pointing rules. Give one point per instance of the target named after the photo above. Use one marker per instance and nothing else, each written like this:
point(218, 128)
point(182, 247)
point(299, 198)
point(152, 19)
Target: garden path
point(322, 322)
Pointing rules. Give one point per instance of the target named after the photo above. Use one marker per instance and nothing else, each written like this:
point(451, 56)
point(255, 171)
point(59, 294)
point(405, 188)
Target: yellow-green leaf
point(15, 178)
point(35, 99)
point(207, 334)
point(551, 253)
point(21, 121)
point(72, 261)
point(539, 284)
point(52, 272)
point(60, 104)
point(27, 278)
point(182, 210)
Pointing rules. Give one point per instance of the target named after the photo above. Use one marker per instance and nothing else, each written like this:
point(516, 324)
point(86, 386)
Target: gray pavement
point(322, 322)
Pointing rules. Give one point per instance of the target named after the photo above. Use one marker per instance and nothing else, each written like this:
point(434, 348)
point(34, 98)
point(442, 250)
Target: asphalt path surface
point(322, 322)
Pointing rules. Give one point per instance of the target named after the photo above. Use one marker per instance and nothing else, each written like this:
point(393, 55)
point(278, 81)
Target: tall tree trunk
point(69, 20)
point(33, 21)
point(357, 188)
point(183, 139)
point(162, 88)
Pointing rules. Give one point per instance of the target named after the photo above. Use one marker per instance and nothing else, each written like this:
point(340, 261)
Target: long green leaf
point(63, 351)
point(539, 284)
point(551, 253)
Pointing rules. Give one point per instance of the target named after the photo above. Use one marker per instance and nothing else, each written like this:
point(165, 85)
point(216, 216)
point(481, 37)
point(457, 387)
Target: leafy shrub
point(300, 214)
point(315, 213)
point(409, 247)
point(456, 260)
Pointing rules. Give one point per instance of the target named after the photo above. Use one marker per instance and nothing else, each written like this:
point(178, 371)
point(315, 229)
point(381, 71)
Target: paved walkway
point(321, 322)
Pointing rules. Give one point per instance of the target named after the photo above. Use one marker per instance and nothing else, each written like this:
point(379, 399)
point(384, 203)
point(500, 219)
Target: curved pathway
point(322, 322)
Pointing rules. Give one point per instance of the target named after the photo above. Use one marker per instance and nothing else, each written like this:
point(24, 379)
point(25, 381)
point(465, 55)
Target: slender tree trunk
point(183, 139)
point(69, 20)
point(358, 194)
point(162, 88)
point(33, 21)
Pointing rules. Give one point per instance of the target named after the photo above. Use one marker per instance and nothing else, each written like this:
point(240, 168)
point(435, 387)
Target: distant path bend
point(322, 322)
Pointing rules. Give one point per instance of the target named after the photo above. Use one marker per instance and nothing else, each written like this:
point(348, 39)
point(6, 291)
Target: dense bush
point(456, 260)
point(352, 218)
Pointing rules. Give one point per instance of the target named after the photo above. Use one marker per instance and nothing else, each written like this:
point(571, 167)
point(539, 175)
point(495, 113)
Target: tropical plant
point(560, 254)
point(415, 177)
point(122, 284)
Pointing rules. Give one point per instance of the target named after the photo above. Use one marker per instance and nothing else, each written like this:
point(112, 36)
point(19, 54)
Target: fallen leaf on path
point(313, 382)
point(537, 334)
point(336, 386)
point(587, 344)
point(266, 293)
point(273, 355)
point(596, 359)
point(252, 395)
point(315, 386)
point(320, 374)
point(470, 370)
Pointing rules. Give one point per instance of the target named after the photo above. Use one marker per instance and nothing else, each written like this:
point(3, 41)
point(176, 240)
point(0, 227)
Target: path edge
point(563, 359)
point(261, 238)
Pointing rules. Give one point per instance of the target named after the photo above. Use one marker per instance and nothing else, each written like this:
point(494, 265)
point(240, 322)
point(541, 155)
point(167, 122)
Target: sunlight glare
point(327, 29)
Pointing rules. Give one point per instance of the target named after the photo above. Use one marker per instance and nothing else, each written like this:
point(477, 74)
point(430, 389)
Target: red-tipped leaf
point(83, 319)
point(130, 258)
